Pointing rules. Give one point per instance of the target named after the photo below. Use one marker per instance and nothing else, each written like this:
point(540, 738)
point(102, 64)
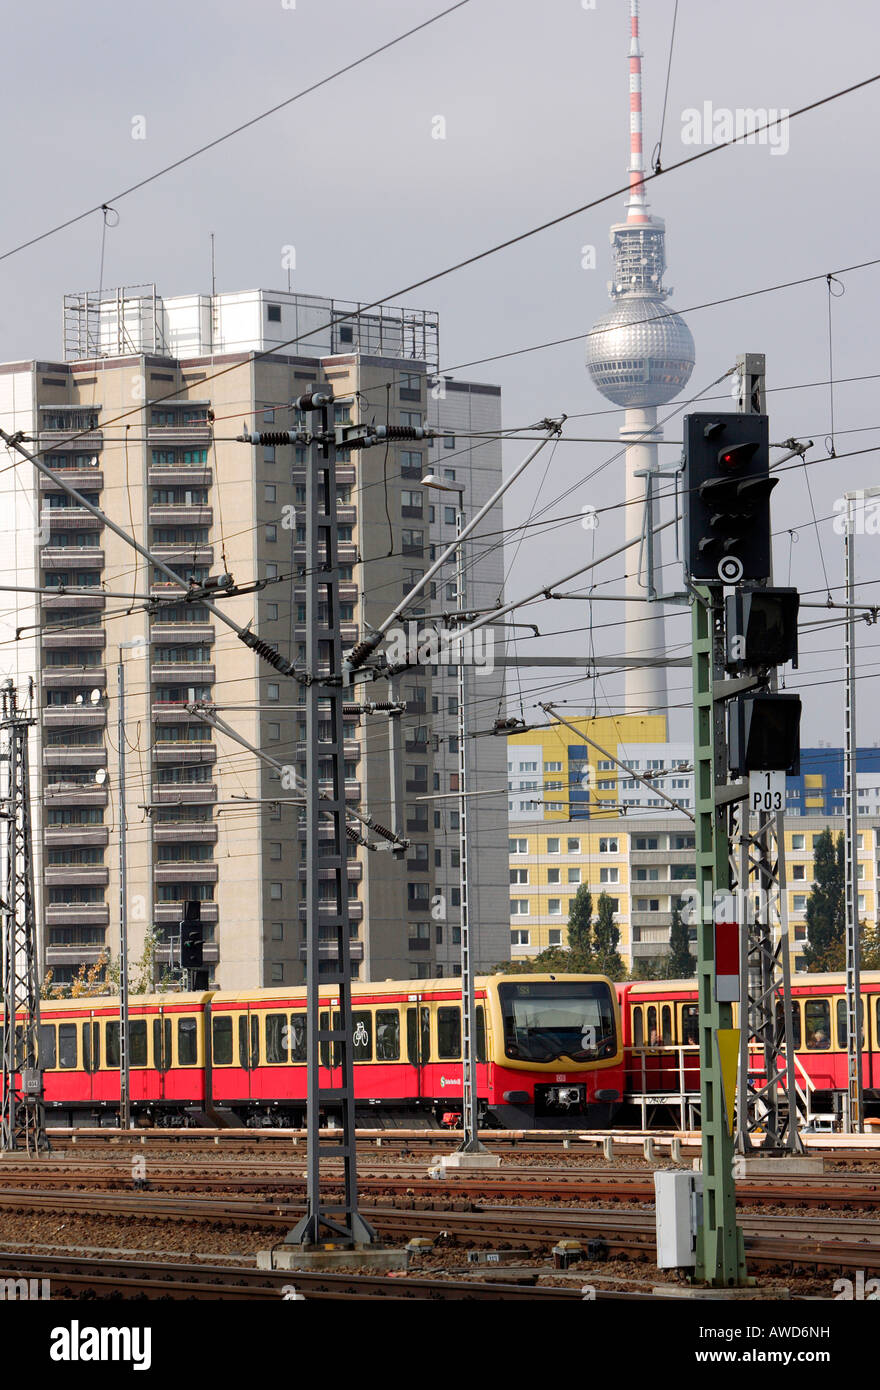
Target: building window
point(554, 906)
point(609, 846)
point(519, 875)
point(276, 891)
point(273, 691)
point(609, 875)
point(574, 875)
point(553, 844)
point(271, 612)
point(519, 907)
point(555, 936)
point(517, 846)
point(574, 846)
point(277, 931)
point(519, 938)
point(277, 972)
point(798, 841)
point(269, 492)
point(273, 314)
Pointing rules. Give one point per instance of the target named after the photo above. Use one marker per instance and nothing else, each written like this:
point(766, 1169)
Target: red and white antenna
point(637, 207)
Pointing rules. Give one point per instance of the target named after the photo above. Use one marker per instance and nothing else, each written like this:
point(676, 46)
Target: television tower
point(640, 355)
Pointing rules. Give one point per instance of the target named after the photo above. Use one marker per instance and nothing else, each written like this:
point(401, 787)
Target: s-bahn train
point(660, 1039)
point(549, 1054)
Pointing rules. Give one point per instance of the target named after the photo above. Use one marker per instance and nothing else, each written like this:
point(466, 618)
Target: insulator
point(313, 400)
point(359, 654)
point(275, 437)
point(267, 652)
point(401, 432)
point(383, 831)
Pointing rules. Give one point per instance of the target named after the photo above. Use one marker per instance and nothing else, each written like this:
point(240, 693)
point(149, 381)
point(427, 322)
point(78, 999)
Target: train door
point(689, 1038)
point(418, 1044)
point(137, 1062)
point(161, 1053)
point(248, 1050)
point(91, 1055)
point(330, 1052)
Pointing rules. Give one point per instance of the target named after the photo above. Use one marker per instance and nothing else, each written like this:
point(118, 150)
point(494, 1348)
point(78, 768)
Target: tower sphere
point(640, 353)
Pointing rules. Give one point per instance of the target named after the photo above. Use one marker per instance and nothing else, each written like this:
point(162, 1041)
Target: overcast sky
point(534, 97)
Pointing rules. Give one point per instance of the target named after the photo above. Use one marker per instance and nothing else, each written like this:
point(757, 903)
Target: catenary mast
point(640, 355)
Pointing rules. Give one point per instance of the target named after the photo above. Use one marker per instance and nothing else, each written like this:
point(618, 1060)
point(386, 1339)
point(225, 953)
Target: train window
point(277, 1039)
point(841, 1023)
point(653, 1035)
point(137, 1037)
point(298, 1051)
point(47, 1046)
point(666, 1024)
point(91, 1045)
point(481, 1034)
point(387, 1035)
point(638, 1028)
point(162, 1043)
point(248, 1057)
point(418, 1036)
point(817, 1024)
point(362, 1037)
point(67, 1045)
point(221, 1040)
point(448, 1031)
point(187, 1042)
point(111, 1043)
point(690, 1024)
point(795, 1022)
point(324, 1047)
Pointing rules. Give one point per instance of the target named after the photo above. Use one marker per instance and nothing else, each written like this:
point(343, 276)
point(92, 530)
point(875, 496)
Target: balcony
point(73, 836)
point(184, 753)
point(186, 832)
point(184, 673)
point(77, 914)
point(80, 600)
point(74, 794)
point(56, 757)
point(179, 436)
point(74, 677)
point(61, 441)
point(78, 716)
point(194, 633)
point(87, 954)
point(180, 514)
point(354, 867)
point(327, 950)
point(183, 556)
point(183, 794)
point(91, 637)
point(644, 858)
point(327, 910)
point(179, 475)
point(56, 875)
point(72, 518)
point(661, 920)
point(71, 557)
point(83, 479)
point(165, 914)
point(185, 870)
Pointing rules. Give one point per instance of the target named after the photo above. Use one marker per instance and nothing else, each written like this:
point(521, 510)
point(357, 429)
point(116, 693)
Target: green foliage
point(606, 938)
point(579, 925)
point(681, 964)
point(826, 923)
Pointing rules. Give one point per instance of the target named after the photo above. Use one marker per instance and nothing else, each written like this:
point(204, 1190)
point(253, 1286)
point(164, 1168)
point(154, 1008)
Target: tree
point(606, 937)
point(553, 960)
point(826, 923)
point(681, 962)
point(650, 968)
point(870, 947)
point(579, 928)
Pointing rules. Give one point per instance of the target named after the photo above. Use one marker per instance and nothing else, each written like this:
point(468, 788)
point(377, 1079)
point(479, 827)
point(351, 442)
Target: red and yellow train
point(549, 1053)
point(660, 1038)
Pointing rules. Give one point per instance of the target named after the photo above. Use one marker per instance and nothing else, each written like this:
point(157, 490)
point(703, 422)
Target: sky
point(535, 105)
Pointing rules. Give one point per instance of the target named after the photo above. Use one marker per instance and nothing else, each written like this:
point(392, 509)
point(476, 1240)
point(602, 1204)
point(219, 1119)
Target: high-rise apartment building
point(141, 417)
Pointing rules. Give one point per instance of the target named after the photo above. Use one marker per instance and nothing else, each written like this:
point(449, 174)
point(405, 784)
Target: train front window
point(550, 1020)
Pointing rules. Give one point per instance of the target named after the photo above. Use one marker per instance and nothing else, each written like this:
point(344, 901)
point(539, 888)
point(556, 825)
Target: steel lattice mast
point(23, 1125)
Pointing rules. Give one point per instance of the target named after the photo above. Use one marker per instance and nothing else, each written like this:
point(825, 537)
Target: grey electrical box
point(678, 1198)
point(32, 1081)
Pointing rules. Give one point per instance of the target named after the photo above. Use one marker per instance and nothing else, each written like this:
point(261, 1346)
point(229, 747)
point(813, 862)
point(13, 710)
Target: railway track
point(773, 1241)
point(75, 1276)
point(525, 1185)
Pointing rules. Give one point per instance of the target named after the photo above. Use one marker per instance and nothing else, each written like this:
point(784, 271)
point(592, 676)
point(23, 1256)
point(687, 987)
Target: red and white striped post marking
point(727, 989)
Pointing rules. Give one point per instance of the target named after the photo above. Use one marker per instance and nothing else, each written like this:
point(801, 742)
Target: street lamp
point(470, 1143)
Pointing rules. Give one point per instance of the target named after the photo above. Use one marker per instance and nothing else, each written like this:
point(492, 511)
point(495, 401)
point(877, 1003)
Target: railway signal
point(760, 624)
point(727, 497)
point(764, 733)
